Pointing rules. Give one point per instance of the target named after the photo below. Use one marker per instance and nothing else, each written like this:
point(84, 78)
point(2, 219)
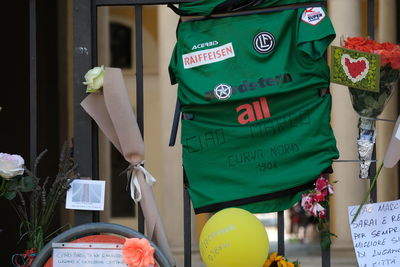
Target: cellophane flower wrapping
point(369, 105)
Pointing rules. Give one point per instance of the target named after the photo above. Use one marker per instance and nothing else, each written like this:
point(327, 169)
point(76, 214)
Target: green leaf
point(10, 195)
point(369, 100)
point(26, 184)
point(382, 99)
point(326, 240)
point(12, 184)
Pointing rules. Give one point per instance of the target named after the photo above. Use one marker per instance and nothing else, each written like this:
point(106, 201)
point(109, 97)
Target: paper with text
point(376, 234)
point(70, 257)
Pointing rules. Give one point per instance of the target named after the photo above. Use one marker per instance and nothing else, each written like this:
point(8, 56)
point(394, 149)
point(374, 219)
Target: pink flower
point(316, 209)
point(322, 214)
point(323, 184)
point(138, 252)
point(320, 196)
point(307, 201)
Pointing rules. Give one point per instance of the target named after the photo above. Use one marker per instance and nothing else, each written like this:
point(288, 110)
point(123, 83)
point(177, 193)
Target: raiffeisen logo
point(208, 56)
point(250, 86)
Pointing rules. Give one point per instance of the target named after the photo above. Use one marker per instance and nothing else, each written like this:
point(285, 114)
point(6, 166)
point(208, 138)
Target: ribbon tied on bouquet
point(114, 115)
point(131, 171)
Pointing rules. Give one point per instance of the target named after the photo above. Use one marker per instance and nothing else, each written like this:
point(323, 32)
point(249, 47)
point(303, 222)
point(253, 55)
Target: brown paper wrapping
point(392, 155)
point(113, 114)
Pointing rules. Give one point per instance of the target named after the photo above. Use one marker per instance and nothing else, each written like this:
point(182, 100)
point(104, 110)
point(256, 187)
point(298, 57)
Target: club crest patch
point(264, 42)
point(313, 15)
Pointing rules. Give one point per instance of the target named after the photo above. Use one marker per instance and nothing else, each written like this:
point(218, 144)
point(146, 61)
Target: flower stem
point(368, 192)
point(2, 186)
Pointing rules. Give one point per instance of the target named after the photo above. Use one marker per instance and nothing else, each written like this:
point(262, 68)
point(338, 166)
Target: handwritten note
point(376, 234)
point(71, 257)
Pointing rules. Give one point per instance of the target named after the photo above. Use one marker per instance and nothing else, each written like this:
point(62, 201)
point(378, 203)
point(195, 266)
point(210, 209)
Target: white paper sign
point(398, 133)
point(376, 234)
point(72, 257)
point(86, 195)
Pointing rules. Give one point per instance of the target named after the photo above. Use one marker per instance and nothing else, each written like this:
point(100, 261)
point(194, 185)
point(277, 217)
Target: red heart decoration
point(355, 68)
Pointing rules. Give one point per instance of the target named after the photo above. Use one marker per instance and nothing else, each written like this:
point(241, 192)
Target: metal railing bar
point(281, 233)
point(139, 67)
point(175, 124)
point(326, 252)
point(83, 60)
point(95, 130)
point(371, 19)
point(378, 119)
point(349, 160)
point(371, 34)
point(187, 226)
point(138, 2)
point(139, 83)
point(32, 83)
point(139, 88)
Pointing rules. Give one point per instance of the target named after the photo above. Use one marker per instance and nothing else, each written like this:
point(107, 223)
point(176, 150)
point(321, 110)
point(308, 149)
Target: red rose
point(385, 57)
point(390, 53)
point(395, 60)
point(355, 41)
point(389, 46)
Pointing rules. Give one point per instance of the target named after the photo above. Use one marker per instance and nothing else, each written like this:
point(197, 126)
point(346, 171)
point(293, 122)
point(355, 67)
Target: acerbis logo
point(264, 42)
point(223, 91)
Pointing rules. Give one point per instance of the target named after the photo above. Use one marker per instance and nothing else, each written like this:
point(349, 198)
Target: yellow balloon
point(234, 237)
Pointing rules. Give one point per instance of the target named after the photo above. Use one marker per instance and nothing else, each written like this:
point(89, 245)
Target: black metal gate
point(85, 130)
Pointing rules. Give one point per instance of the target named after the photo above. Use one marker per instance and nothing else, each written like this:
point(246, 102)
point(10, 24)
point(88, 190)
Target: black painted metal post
point(187, 226)
point(281, 233)
point(85, 133)
point(371, 34)
point(95, 129)
point(326, 252)
point(32, 82)
point(139, 87)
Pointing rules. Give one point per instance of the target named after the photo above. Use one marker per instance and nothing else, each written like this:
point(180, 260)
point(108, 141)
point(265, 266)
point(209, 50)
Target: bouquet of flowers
point(34, 199)
point(369, 104)
point(279, 261)
point(316, 202)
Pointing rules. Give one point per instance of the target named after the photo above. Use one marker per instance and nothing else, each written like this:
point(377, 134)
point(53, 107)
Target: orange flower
point(138, 252)
point(279, 261)
point(284, 263)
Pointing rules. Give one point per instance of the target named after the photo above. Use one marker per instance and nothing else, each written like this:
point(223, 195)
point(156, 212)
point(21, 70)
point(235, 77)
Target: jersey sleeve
point(173, 66)
point(315, 31)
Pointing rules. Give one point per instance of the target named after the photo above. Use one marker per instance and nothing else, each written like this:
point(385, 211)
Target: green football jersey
point(256, 129)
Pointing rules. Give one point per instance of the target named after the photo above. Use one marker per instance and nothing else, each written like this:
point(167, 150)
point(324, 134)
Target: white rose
point(94, 79)
point(11, 165)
